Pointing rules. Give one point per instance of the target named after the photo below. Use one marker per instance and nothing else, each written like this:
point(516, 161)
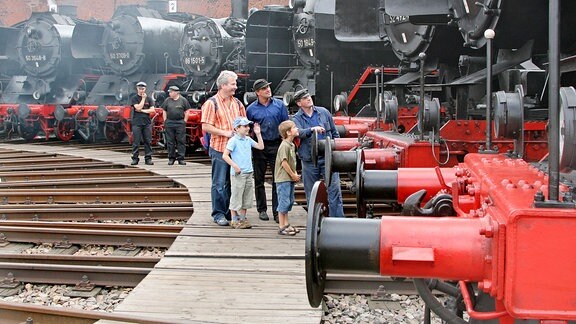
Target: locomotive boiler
point(489, 223)
point(137, 44)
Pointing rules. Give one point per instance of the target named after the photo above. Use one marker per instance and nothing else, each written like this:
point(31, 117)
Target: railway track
point(16, 313)
point(65, 236)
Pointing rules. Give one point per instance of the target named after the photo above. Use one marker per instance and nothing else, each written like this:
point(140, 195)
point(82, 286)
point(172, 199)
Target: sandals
point(294, 229)
point(286, 230)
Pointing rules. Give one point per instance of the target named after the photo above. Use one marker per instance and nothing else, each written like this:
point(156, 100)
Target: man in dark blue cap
point(175, 118)
point(268, 112)
point(310, 119)
point(142, 106)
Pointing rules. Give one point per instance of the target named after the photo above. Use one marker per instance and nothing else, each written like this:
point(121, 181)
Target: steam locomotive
point(489, 222)
point(48, 75)
point(137, 44)
point(295, 47)
point(207, 47)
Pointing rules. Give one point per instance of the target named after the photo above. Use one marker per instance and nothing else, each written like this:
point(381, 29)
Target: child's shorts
point(285, 192)
point(242, 191)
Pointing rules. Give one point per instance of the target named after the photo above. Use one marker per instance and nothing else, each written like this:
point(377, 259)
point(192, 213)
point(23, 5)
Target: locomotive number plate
point(195, 60)
point(119, 55)
point(305, 42)
point(35, 58)
point(398, 19)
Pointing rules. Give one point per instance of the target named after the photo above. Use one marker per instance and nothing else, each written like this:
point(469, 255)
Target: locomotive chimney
point(69, 10)
point(159, 5)
point(239, 9)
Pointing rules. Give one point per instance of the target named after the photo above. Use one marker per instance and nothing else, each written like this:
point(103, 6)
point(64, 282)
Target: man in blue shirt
point(310, 119)
point(268, 112)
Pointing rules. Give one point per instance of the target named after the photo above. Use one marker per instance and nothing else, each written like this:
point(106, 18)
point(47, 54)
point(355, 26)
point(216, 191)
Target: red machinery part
point(338, 144)
point(518, 249)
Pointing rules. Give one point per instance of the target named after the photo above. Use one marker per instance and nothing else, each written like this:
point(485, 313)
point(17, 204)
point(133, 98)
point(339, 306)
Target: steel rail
point(367, 285)
point(49, 165)
point(98, 226)
point(125, 182)
point(72, 174)
point(65, 274)
point(83, 260)
point(66, 236)
point(102, 213)
point(45, 159)
point(24, 154)
point(93, 195)
point(18, 313)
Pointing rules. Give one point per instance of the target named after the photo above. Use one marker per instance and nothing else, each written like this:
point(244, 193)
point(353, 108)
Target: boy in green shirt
point(285, 176)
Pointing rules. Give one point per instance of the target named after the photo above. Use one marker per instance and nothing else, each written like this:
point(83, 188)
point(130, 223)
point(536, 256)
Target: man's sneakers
point(149, 162)
point(181, 162)
point(134, 162)
point(170, 162)
point(263, 216)
point(221, 221)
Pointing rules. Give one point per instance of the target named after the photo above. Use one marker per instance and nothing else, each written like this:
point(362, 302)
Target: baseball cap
point(141, 84)
point(300, 94)
point(260, 84)
point(241, 121)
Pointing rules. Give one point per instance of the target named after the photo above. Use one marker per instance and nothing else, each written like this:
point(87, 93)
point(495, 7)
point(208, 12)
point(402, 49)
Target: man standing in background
point(269, 113)
point(142, 106)
point(175, 118)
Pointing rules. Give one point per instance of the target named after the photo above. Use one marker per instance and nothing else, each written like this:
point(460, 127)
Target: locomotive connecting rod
point(449, 248)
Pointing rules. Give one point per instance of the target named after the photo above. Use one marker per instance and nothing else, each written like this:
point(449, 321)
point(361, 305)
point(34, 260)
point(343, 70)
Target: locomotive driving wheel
point(28, 129)
point(65, 129)
point(114, 132)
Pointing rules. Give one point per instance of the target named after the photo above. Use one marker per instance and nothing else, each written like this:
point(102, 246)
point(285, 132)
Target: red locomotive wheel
point(65, 129)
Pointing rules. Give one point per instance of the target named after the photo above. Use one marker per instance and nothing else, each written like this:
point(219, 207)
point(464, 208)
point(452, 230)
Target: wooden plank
point(288, 266)
point(283, 246)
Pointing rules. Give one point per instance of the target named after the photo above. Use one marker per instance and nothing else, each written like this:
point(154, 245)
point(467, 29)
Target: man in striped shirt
point(218, 115)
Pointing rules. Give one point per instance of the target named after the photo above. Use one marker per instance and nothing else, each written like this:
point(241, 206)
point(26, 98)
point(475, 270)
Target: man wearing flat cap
point(218, 115)
point(175, 118)
point(142, 106)
point(310, 119)
point(269, 112)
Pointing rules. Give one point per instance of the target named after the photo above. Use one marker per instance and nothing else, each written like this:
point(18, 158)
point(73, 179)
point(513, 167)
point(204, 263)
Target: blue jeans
point(285, 191)
point(220, 190)
point(311, 174)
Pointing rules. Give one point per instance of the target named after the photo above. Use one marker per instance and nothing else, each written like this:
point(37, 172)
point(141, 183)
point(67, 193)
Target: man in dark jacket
point(175, 118)
point(142, 106)
point(310, 119)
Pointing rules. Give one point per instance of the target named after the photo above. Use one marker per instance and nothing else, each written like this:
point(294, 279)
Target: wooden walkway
point(214, 274)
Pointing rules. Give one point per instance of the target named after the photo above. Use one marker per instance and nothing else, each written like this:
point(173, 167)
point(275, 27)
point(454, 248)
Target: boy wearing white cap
point(238, 154)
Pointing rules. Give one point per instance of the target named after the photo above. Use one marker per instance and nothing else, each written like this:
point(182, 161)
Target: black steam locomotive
point(295, 47)
point(47, 74)
point(137, 44)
